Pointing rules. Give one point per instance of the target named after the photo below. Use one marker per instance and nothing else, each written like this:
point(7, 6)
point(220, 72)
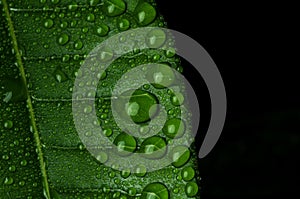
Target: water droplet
point(131, 191)
point(102, 30)
point(177, 99)
point(153, 147)
point(160, 75)
point(155, 190)
point(145, 13)
point(78, 45)
point(14, 89)
point(23, 162)
point(144, 129)
point(94, 2)
point(123, 24)
point(5, 157)
point(142, 105)
point(126, 144)
point(140, 170)
point(125, 173)
point(170, 52)
point(191, 189)
point(90, 17)
point(114, 7)
point(64, 24)
point(8, 180)
point(107, 132)
point(63, 39)
point(180, 156)
point(22, 183)
point(188, 173)
point(102, 157)
point(55, 1)
point(12, 168)
point(106, 54)
point(48, 23)
point(88, 109)
point(8, 124)
point(73, 7)
point(174, 128)
point(66, 58)
point(60, 76)
point(156, 38)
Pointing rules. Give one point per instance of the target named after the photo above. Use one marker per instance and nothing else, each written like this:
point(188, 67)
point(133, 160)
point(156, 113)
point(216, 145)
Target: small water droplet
point(180, 156)
point(90, 17)
point(153, 147)
point(23, 162)
point(156, 38)
point(12, 168)
point(125, 173)
point(177, 99)
point(107, 132)
point(160, 76)
point(140, 170)
point(78, 45)
point(123, 24)
point(102, 157)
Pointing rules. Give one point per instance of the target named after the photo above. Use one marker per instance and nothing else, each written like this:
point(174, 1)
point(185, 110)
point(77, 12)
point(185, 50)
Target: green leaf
point(43, 44)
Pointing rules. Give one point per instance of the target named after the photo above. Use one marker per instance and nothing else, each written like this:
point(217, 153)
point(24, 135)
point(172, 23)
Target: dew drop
point(187, 173)
point(94, 2)
point(90, 17)
point(63, 39)
point(174, 128)
point(155, 190)
point(140, 170)
point(177, 99)
point(23, 162)
point(60, 76)
point(145, 13)
point(73, 7)
point(102, 157)
point(48, 23)
point(191, 189)
point(114, 7)
point(107, 132)
point(180, 156)
point(153, 147)
point(160, 75)
point(125, 173)
point(126, 144)
point(12, 168)
point(102, 30)
point(155, 38)
point(131, 191)
point(8, 180)
point(8, 124)
point(123, 24)
point(78, 45)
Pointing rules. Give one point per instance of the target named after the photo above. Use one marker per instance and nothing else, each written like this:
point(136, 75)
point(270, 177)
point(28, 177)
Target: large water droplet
point(145, 13)
point(48, 23)
point(8, 180)
point(177, 99)
point(140, 170)
point(8, 124)
point(102, 30)
point(180, 156)
point(114, 7)
point(187, 173)
point(126, 144)
point(174, 128)
point(142, 106)
point(153, 147)
point(123, 24)
point(160, 75)
point(191, 189)
point(63, 39)
point(155, 190)
point(156, 38)
point(102, 157)
point(125, 173)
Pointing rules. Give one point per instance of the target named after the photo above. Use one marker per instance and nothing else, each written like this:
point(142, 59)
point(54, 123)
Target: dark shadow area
point(257, 154)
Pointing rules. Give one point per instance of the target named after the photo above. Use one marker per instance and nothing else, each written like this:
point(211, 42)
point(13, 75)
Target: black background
point(253, 46)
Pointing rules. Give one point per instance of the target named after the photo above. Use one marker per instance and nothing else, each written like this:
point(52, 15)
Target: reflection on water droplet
point(123, 24)
point(174, 128)
point(140, 170)
point(125, 173)
point(156, 38)
point(63, 39)
point(145, 13)
point(60, 76)
point(102, 30)
point(8, 180)
point(155, 190)
point(153, 147)
point(48, 23)
point(126, 144)
point(180, 156)
point(191, 189)
point(102, 157)
point(8, 124)
point(177, 99)
point(187, 173)
point(114, 7)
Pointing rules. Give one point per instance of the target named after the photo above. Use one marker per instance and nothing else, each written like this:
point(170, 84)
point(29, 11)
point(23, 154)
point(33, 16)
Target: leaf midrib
point(29, 102)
